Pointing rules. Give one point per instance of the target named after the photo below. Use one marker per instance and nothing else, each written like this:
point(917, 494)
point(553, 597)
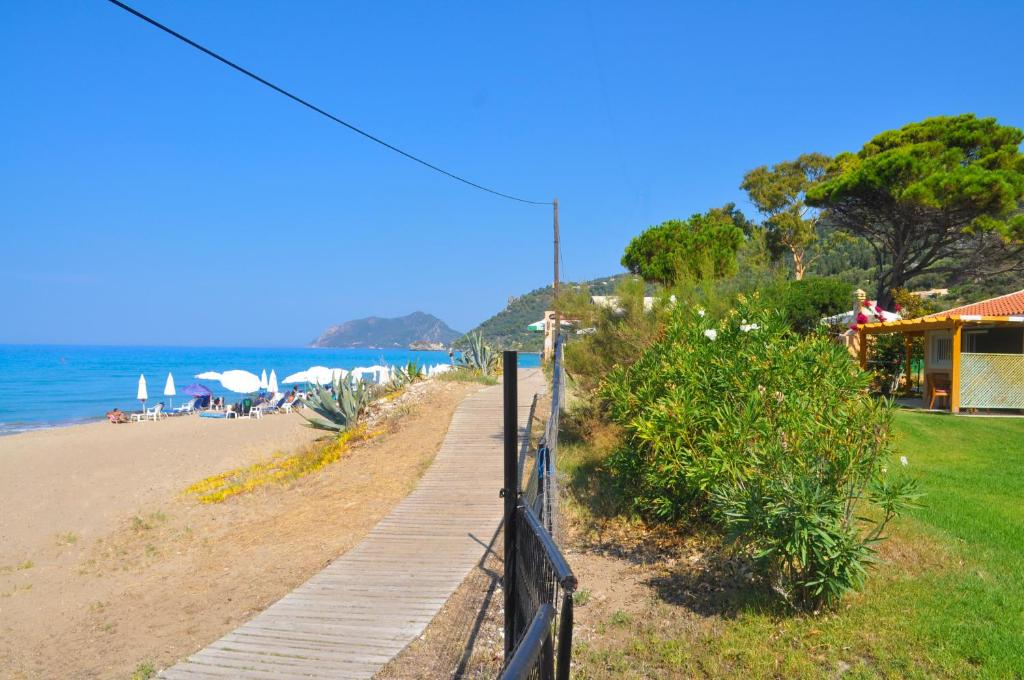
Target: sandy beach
point(105, 566)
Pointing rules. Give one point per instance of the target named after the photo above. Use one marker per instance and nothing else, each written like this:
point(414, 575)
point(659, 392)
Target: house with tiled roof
point(973, 354)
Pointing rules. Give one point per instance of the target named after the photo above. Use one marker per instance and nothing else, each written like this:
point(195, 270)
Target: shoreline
point(12, 429)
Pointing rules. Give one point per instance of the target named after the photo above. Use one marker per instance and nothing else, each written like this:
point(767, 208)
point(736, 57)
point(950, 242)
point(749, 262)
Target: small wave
point(18, 428)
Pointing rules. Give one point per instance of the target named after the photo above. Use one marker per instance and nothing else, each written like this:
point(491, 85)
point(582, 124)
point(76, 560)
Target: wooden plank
point(367, 605)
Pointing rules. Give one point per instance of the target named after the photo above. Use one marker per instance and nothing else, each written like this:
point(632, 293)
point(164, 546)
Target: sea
point(58, 385)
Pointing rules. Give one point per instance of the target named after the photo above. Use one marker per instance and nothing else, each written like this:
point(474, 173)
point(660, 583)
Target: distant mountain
point(376, 332)
point(507, 329)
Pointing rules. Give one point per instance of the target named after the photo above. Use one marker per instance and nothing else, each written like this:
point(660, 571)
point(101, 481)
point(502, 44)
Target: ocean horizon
point(45, 386)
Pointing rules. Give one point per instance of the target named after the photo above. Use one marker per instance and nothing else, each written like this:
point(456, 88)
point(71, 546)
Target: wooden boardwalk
point(366, 606)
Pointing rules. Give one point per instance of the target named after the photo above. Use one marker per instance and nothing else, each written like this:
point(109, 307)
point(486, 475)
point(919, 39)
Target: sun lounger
point(185, 408)
point(271, 406)
point(149, 414)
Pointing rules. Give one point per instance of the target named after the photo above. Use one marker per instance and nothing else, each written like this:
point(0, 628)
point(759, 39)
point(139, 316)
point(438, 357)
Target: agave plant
point(401, 376)
point(340, 410)
point(478, 356)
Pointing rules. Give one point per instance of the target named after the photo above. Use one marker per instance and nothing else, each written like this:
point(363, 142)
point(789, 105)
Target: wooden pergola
point(950, 321)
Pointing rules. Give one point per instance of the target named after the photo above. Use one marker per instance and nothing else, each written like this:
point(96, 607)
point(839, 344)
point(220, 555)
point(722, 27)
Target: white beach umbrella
point(142, 395)
point(242, 382)
point(209, 375)
point(320, 375)
point(272, 383)
point(299, 377)
point(169, 387)
point(263, 380)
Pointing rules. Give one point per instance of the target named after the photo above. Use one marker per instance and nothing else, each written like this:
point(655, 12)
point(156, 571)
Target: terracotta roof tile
point(1005, 305)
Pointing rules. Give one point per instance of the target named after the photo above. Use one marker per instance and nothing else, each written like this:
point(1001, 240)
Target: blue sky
point(149, 195)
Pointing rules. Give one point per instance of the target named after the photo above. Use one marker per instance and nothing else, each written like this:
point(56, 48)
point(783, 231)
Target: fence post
point(565, 637)
point(510, 492)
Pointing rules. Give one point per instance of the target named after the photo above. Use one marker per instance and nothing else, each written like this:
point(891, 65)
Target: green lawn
point(946, 601)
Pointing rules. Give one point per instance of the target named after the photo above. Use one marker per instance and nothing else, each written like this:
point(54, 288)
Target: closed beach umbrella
point(272, 386)
point(263, 380)
point(242, 382)
point(169, 387)
point(142, 395)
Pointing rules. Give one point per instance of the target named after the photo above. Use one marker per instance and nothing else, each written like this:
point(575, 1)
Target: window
point(941, 350)
point(995, 340)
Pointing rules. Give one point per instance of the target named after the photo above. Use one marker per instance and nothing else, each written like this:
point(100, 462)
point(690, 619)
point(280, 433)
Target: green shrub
point(619, 336)
point(467, 375)
point(769, 434)
point(806, 302)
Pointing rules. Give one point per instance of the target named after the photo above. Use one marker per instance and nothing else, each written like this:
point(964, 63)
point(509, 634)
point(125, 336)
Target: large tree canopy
point(703, 246)
point(778, 193)
point(945, 195)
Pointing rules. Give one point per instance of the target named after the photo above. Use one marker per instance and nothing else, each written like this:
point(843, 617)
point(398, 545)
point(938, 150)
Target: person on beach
point(117, 416)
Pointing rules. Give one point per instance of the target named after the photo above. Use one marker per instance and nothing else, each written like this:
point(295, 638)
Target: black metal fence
point(538, 582)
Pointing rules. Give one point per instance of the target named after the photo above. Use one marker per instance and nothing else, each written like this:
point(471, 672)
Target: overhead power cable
point(313, 107)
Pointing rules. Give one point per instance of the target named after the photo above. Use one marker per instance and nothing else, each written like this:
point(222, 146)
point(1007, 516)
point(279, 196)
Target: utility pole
point(558, 315)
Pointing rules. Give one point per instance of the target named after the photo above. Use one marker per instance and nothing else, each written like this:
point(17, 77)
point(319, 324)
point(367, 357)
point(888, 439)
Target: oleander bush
point(771, 435)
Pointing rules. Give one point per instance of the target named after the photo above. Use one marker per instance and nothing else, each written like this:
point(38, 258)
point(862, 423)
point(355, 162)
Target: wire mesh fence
point(541, 488)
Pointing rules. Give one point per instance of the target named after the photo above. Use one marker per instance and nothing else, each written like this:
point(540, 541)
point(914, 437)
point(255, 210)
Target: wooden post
point(954, 383)
point(862, 351)
point(558, 315)
point(908, 347)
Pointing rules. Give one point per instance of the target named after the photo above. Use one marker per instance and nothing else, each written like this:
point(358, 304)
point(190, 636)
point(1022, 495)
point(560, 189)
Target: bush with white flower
point(769, 434)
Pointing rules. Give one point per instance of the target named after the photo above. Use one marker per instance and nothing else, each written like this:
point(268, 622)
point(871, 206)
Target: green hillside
point(507, 329)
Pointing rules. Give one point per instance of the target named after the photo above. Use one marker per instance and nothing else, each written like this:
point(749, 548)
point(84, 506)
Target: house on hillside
point(973, 355)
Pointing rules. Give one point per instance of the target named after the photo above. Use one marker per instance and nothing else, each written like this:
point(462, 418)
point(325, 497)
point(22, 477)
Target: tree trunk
point(798, 263)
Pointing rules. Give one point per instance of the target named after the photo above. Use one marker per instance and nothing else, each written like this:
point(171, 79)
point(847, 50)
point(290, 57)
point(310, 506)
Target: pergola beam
point(936, 324)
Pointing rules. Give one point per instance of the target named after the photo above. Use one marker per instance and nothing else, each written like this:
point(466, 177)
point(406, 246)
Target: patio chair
point(940, 388)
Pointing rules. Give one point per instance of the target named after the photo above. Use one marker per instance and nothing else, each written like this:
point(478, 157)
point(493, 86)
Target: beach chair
point(149, 414)
point(272, 406)
point(190, 407)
